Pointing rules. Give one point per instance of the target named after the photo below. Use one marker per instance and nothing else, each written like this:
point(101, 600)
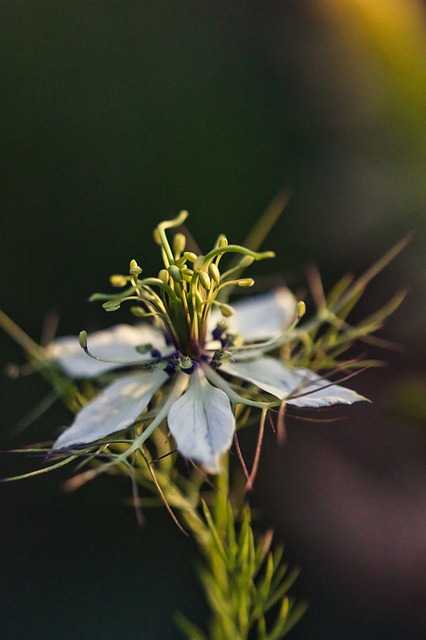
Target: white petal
point(260, 317)
point(117, 343)
point(319, 392)
point(202, 422)
point(114, 409)
point(307, 388)
point(267, 373)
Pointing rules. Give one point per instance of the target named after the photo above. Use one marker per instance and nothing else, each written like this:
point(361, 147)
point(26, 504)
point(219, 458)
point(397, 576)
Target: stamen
point(179, 243)
point(190, 256)
point(243, 264)
point(135, 269)
point(214, 272)
point(163, 274)
point(141, 363)
point(198, 263)
point(98, 297)
point(286, 336)
point(205, 280)
point(118, 280)
point(241, 282)
point(175, 273)
point(222, 241)
point(235, 248)
point(161, 238)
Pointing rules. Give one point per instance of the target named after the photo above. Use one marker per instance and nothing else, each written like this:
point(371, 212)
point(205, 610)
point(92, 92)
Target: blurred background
point(116, 115)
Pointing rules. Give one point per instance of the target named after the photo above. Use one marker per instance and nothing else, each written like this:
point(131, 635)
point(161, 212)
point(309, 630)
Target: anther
point(163, 274)
point(187, 274)
point(198, 263)
point(245, 282)
point(175, 273)
point(246, 262)
point(205, 280)
point(138, 312)
point(300, 309)
point(214, 272)
point(180, 261)
point(135, 269)
point(179, 242)
point(226, 310)
point(111, 305)
point(118, 281)
point(82, 338)
point(189, 255)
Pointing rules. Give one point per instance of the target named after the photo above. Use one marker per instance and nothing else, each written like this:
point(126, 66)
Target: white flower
point(195, 343)
point(199, 404)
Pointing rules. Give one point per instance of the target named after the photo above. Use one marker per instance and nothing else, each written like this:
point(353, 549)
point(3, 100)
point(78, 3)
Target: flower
point(199, 348)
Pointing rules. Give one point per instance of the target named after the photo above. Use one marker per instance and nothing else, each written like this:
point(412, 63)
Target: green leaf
point(215, 535)
point(190, 630)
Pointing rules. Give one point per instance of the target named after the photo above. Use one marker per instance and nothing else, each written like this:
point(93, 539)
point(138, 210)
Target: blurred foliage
point(408, 399)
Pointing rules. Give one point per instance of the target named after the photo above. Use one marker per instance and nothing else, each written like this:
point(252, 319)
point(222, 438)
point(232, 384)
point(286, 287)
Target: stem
point(241, 577)
point(17, 334)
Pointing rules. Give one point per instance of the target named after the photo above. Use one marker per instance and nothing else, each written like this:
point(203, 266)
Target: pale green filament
point(182, 297)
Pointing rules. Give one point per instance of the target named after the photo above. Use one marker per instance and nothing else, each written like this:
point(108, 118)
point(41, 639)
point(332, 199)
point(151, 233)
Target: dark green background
point(116, 115)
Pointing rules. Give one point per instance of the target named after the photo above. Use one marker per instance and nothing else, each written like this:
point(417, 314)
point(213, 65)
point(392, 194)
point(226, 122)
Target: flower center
point(185, 293)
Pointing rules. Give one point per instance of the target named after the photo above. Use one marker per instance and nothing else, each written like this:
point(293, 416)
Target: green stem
point(17, 334)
